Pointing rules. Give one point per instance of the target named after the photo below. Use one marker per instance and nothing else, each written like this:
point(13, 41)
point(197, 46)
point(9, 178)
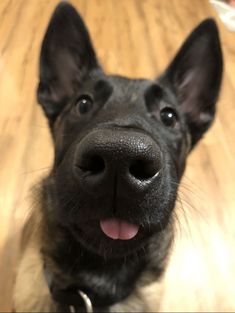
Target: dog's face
point(121, 144)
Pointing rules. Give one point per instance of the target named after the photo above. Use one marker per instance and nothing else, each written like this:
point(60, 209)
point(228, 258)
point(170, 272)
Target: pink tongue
point(118, 229)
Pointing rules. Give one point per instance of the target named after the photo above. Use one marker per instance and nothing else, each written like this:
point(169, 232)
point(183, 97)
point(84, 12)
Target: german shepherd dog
point(103, 226)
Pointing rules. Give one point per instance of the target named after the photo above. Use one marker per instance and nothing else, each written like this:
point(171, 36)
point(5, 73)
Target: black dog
point(103, 226)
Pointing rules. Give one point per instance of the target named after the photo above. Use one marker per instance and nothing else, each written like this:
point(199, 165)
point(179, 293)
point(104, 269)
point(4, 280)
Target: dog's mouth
point(111, 237)
point(119, 229)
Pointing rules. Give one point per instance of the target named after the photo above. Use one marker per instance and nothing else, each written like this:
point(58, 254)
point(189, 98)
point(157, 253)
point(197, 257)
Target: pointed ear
point(67, 57)
point(195, 77)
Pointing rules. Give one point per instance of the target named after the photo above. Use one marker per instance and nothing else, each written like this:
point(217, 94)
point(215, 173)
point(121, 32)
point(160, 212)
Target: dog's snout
point(108, 159)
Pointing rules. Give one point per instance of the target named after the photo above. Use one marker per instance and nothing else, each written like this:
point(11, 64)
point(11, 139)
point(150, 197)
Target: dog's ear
point(67, 57)
point(195, 77)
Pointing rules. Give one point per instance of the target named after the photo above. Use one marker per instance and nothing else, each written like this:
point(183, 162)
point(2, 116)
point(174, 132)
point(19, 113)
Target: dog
point(104, 224)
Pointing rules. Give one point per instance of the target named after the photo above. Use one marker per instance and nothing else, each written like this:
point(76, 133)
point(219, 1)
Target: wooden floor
point(134, 38)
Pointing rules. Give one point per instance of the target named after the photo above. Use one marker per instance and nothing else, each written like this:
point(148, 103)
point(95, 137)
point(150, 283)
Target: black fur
point(123, 110)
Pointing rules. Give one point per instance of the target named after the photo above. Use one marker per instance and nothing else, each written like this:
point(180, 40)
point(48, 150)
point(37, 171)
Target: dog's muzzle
point(106, 158)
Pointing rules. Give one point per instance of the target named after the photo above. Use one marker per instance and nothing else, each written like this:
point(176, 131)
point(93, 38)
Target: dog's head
point(121, 144)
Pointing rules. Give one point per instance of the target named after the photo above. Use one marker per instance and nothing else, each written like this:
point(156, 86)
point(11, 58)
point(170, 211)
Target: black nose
point(124, 160)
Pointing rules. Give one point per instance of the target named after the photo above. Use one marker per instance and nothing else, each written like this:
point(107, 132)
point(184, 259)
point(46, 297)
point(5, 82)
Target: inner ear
point(67, 58)
point(195, 77)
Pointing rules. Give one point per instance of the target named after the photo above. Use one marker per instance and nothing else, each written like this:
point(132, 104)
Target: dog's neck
point(73, 266)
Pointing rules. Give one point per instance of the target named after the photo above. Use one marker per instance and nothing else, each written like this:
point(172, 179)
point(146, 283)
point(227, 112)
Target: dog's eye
point(84, 104)
point(168, 117)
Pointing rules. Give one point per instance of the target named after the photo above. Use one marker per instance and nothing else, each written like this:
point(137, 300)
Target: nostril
point(93, 164)
point(143, 170)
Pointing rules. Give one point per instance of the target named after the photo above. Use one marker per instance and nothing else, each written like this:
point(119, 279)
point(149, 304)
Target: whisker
point(182, 217)
point(36, 170)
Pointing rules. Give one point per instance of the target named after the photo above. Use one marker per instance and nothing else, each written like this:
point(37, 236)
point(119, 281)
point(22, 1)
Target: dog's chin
point(93, 239)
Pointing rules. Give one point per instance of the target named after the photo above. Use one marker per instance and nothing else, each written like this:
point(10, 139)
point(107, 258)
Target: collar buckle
point(87, 303)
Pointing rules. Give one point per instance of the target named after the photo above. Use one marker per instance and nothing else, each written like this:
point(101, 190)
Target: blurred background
point(136, 38)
